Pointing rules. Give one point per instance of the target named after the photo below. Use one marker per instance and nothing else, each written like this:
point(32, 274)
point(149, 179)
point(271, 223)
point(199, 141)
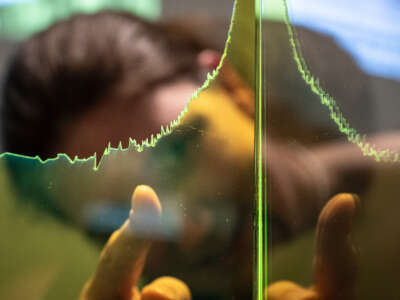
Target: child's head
point(94, 79)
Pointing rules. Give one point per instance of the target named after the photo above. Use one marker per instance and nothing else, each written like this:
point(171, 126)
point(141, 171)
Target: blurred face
point(117, 119)
point(202, 173)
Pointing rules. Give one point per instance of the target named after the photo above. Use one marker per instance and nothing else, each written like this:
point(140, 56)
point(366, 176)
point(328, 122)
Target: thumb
point(166, 288)
point(286, 290)
point(123, 257)
point(335, 262)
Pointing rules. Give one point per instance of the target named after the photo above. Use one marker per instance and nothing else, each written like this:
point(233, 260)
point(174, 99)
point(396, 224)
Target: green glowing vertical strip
point(260, 178)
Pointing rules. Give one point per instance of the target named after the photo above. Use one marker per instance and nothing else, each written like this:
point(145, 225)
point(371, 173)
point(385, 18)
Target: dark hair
point(63, 71)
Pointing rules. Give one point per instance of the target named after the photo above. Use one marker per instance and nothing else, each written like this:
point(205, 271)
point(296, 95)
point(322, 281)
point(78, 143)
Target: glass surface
point(331, 83)
point(59, 209)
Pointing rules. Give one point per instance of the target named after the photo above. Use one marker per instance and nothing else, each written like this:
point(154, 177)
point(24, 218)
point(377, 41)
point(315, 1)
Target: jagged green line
point(149, 142)
point(336, 115)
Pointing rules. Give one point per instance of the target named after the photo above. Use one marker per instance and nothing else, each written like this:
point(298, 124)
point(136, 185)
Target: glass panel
point(93, 84)
point(331, 77)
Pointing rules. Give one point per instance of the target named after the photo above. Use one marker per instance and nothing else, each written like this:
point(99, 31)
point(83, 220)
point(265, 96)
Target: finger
point(166, 288)
point(123, 257)
point(335, 263)
point(286, 290)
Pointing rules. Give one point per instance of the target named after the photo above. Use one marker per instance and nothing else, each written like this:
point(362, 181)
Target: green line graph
point(154, 138)
point(352, 135)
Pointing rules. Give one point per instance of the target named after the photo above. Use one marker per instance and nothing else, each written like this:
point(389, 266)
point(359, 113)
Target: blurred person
point(95, 80)
point(104, 78)
point(86, 72)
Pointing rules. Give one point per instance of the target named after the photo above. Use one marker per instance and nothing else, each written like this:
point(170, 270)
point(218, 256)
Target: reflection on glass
point(332, 139)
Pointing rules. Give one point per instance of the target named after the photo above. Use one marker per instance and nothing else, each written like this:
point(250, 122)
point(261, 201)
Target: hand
point(335, 264)
point(303, 178)
point(123, 258)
